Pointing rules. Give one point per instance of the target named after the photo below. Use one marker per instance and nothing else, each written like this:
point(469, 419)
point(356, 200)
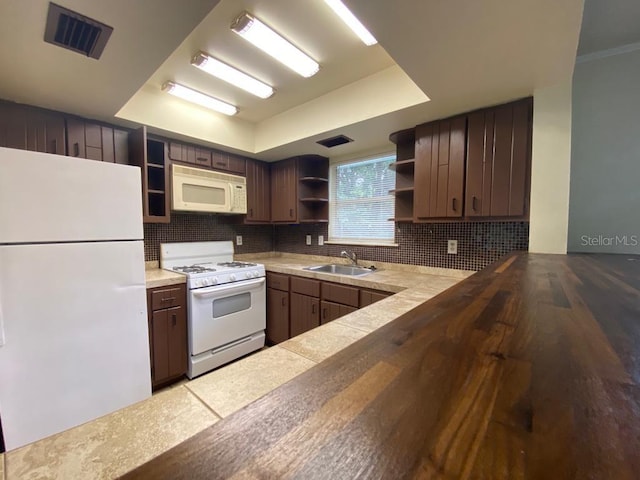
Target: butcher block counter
point(527, 369)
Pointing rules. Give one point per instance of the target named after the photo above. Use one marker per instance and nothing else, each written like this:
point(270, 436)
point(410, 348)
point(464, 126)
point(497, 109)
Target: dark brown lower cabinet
point(305, 313)
point(167, 333)
point(296, 304)
point(277, 315)
point(332, 310)
point(367, 297)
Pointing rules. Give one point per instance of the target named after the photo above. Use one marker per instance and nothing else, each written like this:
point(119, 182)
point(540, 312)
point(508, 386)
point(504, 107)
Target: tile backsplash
point(190, 227)
point(479, 243)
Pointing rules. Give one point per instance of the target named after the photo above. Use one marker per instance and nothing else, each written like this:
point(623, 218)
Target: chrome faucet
point(351, 255)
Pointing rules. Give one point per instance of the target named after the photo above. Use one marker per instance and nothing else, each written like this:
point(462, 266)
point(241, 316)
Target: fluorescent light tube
point(351, 21)
point(270, 42)
point(193, 96)
point(231, 75)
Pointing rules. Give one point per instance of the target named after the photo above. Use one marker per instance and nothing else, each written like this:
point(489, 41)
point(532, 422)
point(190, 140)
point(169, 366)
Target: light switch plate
point(320, 240)
point(238, 240)
point(452, 247)
point(308, 241)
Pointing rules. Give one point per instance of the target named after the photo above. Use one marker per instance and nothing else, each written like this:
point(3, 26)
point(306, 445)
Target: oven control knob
point(207, 281)
point(232, 277)
point(214, 281)
point(198, 283)
point(248, 275)
point(256, 273)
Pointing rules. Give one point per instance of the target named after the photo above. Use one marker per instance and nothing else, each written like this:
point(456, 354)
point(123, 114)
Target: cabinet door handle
point(251, 212)
point(201, 159)
point(283, 301)
point(54, 142)
point(76, 149)
point(174, 319)
point(454, 204)
point(291, 212)
point(313, 308)
point(324, 313)
point(168, 299)
point(474, 203)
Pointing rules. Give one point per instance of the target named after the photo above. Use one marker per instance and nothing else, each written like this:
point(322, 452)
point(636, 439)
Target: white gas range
point(226, 302)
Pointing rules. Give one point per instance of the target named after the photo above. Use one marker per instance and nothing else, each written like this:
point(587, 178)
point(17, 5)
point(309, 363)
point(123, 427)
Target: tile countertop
point(156, 277)
point(119, 442)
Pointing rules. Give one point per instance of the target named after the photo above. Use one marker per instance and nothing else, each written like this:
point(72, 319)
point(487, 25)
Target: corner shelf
point(313, 189)
point(401, 191)
point(314, 180)
point(404, 167)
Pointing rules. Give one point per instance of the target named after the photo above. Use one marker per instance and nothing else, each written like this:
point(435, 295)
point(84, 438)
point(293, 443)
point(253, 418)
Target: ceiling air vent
point(335, 141)
point(76, 32)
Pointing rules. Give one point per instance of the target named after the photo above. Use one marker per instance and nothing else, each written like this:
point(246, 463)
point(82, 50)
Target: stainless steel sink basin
point(340, 270)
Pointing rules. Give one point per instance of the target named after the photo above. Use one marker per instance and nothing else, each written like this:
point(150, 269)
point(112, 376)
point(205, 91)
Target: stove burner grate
point(236, 264)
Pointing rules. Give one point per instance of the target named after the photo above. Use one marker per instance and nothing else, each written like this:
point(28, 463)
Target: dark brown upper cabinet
point(499, 161)
point(94, 141)
point(28, 128)
point(258, 192)
point(300, 190)
point(439, 169)
point(284, 191)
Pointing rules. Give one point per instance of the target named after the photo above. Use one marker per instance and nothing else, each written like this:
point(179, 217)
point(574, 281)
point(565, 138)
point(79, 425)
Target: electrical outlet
point(320, 240)
point(238, 240)
point(308, 241)
point(452, 247)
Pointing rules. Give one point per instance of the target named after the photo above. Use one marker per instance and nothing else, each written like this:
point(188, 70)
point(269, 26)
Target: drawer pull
point(202, 159)
point(168, 299)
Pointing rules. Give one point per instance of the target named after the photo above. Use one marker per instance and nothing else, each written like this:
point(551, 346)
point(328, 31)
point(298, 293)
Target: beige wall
point(550, 169)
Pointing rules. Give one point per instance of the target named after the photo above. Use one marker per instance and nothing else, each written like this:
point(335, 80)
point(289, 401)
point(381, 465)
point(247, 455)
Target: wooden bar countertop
point(527, 369)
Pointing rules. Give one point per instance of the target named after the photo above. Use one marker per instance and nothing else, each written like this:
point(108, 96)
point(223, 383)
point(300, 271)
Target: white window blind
point(360, 204)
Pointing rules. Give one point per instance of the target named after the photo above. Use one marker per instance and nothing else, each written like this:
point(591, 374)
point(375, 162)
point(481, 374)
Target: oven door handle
point(217, 291)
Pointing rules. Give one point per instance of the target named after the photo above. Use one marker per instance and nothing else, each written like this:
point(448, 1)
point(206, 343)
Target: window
point(360, 204)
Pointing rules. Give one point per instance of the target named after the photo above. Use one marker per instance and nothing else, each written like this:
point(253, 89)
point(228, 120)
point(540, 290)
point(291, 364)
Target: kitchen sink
point(350, 270)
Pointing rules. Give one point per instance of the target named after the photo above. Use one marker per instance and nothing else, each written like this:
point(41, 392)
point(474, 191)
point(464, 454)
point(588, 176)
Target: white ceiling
point(460, 54)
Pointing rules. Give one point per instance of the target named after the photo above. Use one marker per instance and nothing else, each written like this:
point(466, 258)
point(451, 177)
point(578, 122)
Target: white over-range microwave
point(198, 190)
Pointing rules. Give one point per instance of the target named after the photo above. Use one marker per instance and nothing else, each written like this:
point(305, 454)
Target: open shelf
point(314, 180)
point(401, 191)
point(403, 165)
point(310, 220)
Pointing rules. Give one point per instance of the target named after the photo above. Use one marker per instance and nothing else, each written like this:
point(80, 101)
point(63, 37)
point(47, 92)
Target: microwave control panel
point(239, 199)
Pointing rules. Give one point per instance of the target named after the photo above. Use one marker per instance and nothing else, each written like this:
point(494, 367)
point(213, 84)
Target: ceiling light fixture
point(193, 96)
point(351, 21)
point(231, 75)
point(270, 42)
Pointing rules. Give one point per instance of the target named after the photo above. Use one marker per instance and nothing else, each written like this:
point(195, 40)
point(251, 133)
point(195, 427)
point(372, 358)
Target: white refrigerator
point(74, 342)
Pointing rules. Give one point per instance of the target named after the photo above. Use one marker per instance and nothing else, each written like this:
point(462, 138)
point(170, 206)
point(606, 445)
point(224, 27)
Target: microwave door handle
point(231, 198)
point(224, 290)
